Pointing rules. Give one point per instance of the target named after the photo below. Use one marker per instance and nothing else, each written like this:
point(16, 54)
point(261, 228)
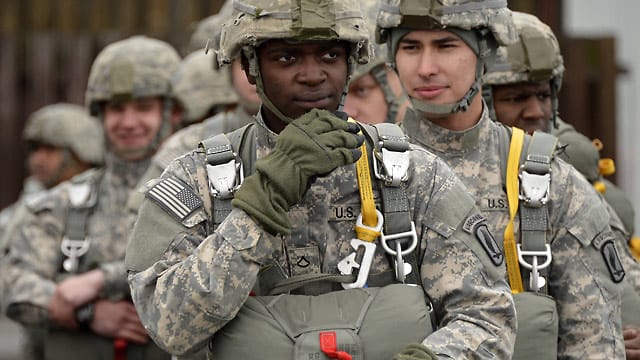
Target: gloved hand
point(415, 352)
point(312, 145)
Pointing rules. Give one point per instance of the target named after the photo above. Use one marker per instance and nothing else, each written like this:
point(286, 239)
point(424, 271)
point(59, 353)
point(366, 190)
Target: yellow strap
point(513, 187)
point(368, 206)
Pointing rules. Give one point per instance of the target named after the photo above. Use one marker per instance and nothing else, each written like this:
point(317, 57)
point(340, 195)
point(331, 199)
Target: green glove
point(415, 352)
point(312, 145)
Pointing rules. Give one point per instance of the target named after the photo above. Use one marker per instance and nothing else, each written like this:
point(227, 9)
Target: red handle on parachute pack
point(329, 346)
point(120, 349)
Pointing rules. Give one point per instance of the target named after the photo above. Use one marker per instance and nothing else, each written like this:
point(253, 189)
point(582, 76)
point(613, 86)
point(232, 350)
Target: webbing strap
point(218, 150)
point(367, 206)
point(512, 184)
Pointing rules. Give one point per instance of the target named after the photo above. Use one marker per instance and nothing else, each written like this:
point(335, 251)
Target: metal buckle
point(401, 268)
point(535, 188)
point(73, 249)
point(536, 282)
point(378, 227)
point(225, 179)
point(394, 166)
point(346, 265)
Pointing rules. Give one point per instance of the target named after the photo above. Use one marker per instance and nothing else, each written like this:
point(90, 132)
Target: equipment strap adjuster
point(536, 281)
point(225, 178)
point(535, 189)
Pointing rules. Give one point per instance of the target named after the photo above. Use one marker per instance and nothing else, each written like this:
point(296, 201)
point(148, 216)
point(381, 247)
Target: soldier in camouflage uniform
point(65, 269)
point(439, 50)
point(63, 141)
point(375, 94)
point(522, 89)
point(190, 276)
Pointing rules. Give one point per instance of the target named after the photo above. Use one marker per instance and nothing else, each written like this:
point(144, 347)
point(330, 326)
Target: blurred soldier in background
point(195, 262)
point(375, 94)
point(62, 141)
point(522, 87)
point(65, 270)
point(560, 252)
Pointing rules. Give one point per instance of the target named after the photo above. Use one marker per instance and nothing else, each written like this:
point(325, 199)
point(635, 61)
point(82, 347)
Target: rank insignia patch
point(174, 196)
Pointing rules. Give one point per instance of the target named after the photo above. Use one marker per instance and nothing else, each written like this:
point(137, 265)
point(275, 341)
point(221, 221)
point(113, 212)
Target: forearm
point(115, 285)
point(209, 285)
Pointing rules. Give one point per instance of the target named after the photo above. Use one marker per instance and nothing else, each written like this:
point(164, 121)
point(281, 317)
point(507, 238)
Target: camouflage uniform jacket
point(198, 278)
point(588, 302)
point(35, 258)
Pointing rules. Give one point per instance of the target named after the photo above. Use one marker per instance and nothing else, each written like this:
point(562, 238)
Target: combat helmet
point(482, 24)
point(535, 57)
point(132, 68)
point(67, 126)
point(208, 29)
point(255, 21)
point(199, 87)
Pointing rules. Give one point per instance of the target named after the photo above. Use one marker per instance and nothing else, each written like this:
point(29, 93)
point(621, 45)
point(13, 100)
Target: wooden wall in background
point(46, 50)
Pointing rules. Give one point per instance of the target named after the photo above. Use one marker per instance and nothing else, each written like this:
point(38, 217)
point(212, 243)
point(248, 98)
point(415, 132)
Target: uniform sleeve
point(206, 276)
point(472, 301)
point(585, 287)
point(30, 268)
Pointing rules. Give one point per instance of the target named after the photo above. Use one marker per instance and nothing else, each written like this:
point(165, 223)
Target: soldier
point(62, 141)
point(375, 94)
point(58, 148)
point(65, 269)
point(294, 225)
point(564, 269)
point(522, 90)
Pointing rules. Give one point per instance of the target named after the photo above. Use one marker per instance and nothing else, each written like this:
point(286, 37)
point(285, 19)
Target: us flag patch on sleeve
point(174, 196)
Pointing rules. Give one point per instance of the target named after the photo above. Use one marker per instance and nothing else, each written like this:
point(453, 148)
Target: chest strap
point(75, 243)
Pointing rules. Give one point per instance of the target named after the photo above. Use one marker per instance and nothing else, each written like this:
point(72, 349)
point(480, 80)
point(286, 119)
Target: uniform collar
point(441, 140)
point(126, 173)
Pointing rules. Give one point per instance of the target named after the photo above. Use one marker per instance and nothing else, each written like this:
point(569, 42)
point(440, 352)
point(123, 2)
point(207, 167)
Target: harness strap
point(511, 182)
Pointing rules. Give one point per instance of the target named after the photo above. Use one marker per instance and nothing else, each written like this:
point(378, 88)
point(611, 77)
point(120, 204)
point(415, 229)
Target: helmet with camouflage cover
point(535, 57)
point(255, 21)
point(133, 68)
point(200, 87)
point(482, 24)
point(67, 126)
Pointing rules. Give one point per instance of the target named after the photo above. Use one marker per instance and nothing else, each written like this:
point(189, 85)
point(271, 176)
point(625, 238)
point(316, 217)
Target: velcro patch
point(175, 197)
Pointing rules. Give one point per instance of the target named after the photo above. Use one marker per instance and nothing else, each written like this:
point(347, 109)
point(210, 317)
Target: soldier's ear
point(244, 62)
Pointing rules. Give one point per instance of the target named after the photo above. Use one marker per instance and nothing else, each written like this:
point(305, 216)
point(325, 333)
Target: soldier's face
point(302, 76)
point(435, 66)
point(246, 91)
point(45, 163)
point(524, 105)
point(365, 100)
point(131, 126)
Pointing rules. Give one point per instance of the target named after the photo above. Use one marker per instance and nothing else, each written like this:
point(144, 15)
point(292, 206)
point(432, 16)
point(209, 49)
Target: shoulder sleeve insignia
point(476, 225)
point(175, 197)
point(605, 243)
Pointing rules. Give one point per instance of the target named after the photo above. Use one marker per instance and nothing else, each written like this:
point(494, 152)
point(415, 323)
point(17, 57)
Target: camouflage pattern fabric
point(208, 28)
point(588, 303)
point(33, 266)
point(207, 273)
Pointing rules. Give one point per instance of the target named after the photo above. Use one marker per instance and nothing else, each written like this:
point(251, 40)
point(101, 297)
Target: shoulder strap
point(226, 156)
point(533, 178)
point(83, 196)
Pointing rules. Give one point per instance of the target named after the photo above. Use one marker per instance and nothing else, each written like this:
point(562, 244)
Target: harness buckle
point(225, 178)
point(393, 167)
point(73, 249)
point(535, 188)
point(536, 282)
point(401, 268)
point(346, 265)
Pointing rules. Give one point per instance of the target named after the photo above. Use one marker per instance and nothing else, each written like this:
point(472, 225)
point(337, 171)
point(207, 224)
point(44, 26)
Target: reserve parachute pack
point(537, 312)
point(329, 316)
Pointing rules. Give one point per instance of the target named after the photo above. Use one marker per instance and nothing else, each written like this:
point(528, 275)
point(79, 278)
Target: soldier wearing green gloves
point(310, 255)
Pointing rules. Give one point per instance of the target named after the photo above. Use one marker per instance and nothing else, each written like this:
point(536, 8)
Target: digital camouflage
point(588, 301)
point(207, 273)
